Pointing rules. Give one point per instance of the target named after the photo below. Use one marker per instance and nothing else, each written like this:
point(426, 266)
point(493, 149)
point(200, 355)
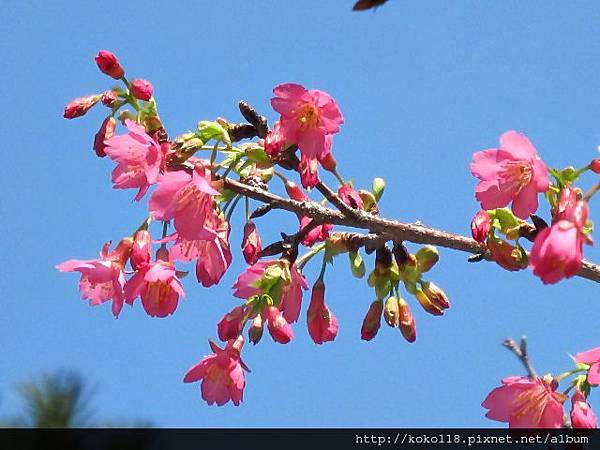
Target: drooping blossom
point(582, 414)
point(102, 279)
point(350, 197)
point(591, 358)
point(230, 325)
point(109, 64)
point(255, 331)
point(279, 328)
point(186, 198)
point(557, 252)
point(221, 374)
point(526, 403)
point(79, 106)
point(511, 173)
point(372, 321)
point(290, 283)
point(407, 324)
point(106, 131)
point(251, 243)
point(211, 251)
point(139, 159)
point(141, 89)
point(158, 286)
point(480, 226)
point(308, 119)
point(322, 323)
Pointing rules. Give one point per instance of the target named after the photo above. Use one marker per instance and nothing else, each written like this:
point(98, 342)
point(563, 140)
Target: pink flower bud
point(109, 64)
point(251, 244)
point(407, 322)
point(328, 162)
point(106, 131)
point(595, 165)
point(230, 326)
point(427, 304)
point(480, 226)
point(436, 295)
point(141, 89)
point(350, 197)
point(142, 249)
point(372, 321)
point(274, 141)
point(322, 324)
point(79, 106)
point(109, 98)
point(255, 331)
point(391, 312)
point(295, 192)
point(582, 414)
point(557, 252)
point(279, 329)
point(122, 251)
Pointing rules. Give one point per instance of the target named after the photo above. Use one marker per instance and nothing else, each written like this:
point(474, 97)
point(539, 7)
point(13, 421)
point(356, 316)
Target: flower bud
point(322, 324)
point(79, 106)
point(582, 414)
point(383, 261)
point(391, 312)
point(369, 201)
point(274, 141)
point(255, 331)
point(279, 329)
point(427, 257)
point(427, 304)
point(141, 252)
point(109, 98)
point(567, 201)
point(350, 197)
point(357, 265)
point(230, 325)
point(251, 243)
point(141, 89)
point(329, 163)
point(372, 321)
point(109, 64)
point(295, 192)
point(407, 322)
point(506, 255)
point(595, 166)
point(436, 295)
point(480, 226)
point(378, 187)
point(122, 251)
point(106, 131)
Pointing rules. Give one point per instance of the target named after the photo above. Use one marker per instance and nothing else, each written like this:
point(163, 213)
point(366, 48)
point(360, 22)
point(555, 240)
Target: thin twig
point(520, 351)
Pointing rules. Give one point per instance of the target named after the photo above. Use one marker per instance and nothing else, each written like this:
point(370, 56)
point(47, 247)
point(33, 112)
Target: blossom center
point(517, 174)
point(157, 291)
point(307, 116)
point(531, 402)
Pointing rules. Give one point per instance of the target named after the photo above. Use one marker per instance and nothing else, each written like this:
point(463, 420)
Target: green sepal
point(357, 265)
point(503, 220)
point(382, 288)
point(378, 188)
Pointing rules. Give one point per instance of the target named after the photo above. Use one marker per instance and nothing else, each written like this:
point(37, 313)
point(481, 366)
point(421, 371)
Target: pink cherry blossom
point(512, 173)
point(230, 326)
point(211, 252)
point(251, 243)
point(102, 279)
point(557, 252)
point(158, 286)
point(317, 234)
point(221, 374)
point(274, 140)
point(322, 324)
point(141, 253)
point(350, 197)
point(139, 159)
point(582, 414)
point(526, 403)
point(592, 358)
point(186, 198)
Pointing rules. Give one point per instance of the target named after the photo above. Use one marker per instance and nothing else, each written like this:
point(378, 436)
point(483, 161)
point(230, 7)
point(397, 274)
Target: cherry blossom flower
point(512, 173)
point(526, 403)
point(221, 374)
point(139, 159)
point(592, 358)
point(251, 243)
point(230, 325)
point(102, 279)
point(279, 328)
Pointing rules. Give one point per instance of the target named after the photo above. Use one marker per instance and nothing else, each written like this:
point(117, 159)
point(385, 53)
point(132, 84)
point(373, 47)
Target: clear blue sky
point(422, 85)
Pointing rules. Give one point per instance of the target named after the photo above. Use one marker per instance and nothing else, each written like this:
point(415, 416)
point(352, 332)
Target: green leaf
point(258, 155)
point(212, 130)
point(503, 219)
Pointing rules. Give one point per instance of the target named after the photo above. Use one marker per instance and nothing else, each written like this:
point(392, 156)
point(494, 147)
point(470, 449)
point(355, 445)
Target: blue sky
point(422, 85)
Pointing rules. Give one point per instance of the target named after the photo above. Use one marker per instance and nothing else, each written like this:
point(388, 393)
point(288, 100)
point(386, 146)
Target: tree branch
point(385, 229)
point(520, 351)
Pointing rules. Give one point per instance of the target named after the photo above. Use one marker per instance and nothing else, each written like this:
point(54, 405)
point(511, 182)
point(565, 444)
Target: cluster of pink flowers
point(526, 402)
point(515, 173)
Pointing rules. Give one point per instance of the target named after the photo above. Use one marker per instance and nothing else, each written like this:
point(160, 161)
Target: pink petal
point(517, 145)
point(588, 357)
point(526, 201)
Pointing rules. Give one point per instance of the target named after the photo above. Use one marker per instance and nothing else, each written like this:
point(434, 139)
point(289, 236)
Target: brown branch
point(520, 351)
point(385, 228)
